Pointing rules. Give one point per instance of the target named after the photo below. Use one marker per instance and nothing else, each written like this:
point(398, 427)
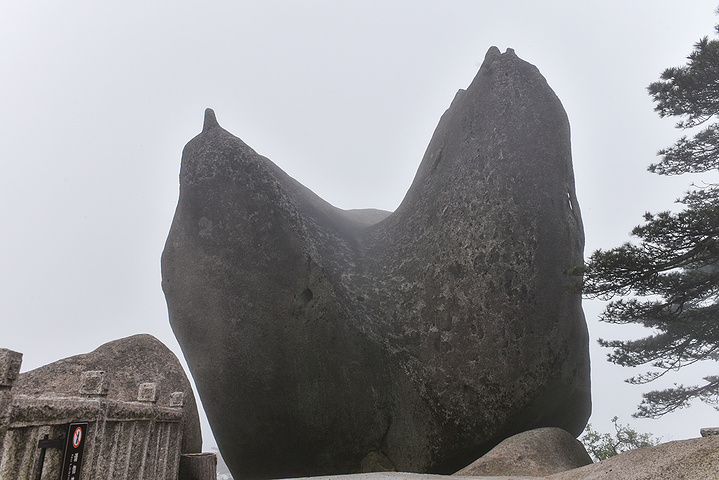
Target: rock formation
point(692, 459)
point(123, 364)
point(327, 341)
point(536, 453)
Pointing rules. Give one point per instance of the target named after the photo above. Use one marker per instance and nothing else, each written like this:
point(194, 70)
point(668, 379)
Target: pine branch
point(668, 277)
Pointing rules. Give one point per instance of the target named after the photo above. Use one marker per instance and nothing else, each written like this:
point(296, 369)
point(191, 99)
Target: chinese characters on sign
point(72, 456)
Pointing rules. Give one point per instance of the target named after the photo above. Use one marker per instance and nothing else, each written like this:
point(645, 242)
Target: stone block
point(177, 399)
point(10, 362)
point(147, 392)
point(93, 382)
point(198, 466)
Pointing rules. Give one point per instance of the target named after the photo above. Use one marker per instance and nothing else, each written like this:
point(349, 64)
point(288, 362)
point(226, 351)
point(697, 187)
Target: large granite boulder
point(536, 453)
point(124, 365)
point(326, 341)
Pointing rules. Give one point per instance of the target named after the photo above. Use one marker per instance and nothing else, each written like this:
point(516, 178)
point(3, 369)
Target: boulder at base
point(323, 340)
point(539, 452)
point(694, 459)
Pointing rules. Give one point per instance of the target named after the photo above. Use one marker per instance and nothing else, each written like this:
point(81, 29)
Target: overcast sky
point(97, 100)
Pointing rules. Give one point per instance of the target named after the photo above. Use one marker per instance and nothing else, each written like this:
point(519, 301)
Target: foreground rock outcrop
point(693, 459)
point(328, 341)
point(538, 452)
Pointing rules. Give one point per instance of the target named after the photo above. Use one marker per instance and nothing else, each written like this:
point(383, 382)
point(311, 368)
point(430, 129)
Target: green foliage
point(601, 446)
point(668, 277)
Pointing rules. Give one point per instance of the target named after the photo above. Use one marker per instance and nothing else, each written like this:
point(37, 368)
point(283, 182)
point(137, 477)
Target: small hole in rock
point(307, 295)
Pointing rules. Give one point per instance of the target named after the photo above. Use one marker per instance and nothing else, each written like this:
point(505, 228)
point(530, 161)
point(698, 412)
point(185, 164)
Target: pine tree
point(668, 277)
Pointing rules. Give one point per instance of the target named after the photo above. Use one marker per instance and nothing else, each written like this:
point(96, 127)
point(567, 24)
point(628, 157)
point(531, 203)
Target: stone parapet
point(125, 440)
point(134, 419)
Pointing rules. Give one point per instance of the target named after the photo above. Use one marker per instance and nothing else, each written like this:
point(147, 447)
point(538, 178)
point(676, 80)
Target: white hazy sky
point(97, 100)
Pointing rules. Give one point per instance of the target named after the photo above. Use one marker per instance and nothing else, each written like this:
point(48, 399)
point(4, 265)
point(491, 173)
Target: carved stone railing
point(123, 440)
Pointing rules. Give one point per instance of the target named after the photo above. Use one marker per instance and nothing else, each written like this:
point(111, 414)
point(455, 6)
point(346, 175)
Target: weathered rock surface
point(126, 363)
point(538, 452)
point(414, 476)
point(694, 459)
point(322, 340)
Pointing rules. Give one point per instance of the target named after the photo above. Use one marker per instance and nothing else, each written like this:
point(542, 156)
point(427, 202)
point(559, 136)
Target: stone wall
point(134, 439)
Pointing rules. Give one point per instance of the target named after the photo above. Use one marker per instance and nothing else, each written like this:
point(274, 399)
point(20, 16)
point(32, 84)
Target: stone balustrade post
point(198, 466)
point(10, 362)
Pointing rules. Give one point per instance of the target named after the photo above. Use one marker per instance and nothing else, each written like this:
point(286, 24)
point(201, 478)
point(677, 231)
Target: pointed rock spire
point(210, 120)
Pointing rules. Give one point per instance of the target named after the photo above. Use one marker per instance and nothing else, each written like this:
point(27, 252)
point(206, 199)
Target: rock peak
point(494, 52)
point(491, 53)
point(210, 120)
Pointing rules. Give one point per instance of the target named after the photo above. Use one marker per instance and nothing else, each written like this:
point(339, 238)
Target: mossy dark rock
point(322, 340)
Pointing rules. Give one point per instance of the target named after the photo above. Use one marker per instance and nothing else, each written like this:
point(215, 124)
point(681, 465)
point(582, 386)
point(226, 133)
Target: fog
point(99, 98)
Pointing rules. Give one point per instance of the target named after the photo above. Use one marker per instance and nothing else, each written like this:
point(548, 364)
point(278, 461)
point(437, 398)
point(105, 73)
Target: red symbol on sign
point(76, 437)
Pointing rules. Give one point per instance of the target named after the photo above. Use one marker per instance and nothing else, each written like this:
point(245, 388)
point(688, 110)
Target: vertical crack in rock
point(307, 327)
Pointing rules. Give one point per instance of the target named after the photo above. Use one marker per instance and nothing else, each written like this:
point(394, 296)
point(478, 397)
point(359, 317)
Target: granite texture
point(112, 373)
point(538, 452)
point(325, 341)
point(693, 459)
